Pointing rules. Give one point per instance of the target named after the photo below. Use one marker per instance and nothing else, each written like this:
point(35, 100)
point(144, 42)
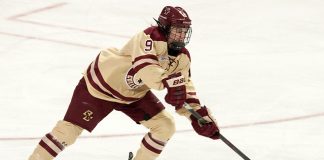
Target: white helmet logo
point(182, 13)
point(167, 11)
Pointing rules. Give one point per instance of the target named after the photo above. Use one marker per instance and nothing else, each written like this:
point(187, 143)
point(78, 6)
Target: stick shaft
point(235, 149)
point(226, 141)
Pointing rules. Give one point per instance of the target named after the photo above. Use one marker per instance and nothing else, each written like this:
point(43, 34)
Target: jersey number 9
point(148, 45)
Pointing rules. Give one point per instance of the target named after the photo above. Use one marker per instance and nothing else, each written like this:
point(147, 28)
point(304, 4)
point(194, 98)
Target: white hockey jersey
point(125, 75)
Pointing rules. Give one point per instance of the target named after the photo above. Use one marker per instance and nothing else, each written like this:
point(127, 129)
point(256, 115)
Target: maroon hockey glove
point(175, 85)
point(209, 129)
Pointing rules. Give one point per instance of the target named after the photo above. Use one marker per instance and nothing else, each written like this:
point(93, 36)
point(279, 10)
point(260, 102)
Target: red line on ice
point(49, 40)
point(274, 121)
point(18, 18)
point(37, 10)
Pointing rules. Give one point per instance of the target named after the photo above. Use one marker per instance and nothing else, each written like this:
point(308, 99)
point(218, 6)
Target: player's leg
point(161, 130)
point(84, 112)
point(62, 135)
point(149, 111)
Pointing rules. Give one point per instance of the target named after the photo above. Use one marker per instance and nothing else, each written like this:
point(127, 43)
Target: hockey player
point(121, 79)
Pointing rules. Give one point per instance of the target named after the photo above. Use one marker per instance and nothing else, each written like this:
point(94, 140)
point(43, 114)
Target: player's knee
point(66, 132)
point(166, 128)
point(161, 126)
point(169, 126)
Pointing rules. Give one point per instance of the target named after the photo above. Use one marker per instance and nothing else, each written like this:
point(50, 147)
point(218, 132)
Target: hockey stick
point(201, 120)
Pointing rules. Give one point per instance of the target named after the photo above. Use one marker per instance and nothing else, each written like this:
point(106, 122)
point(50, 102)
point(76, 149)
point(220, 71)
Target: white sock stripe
point(192, 96)
point(155, 140)
point(152, 143)
point(50, 144)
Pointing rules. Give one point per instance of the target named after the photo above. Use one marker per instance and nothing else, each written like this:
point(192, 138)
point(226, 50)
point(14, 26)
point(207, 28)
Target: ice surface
point(257, 64)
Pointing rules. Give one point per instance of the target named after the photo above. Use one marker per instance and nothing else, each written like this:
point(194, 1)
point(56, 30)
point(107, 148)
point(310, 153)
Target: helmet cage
point(178, 43)
point(177, 17)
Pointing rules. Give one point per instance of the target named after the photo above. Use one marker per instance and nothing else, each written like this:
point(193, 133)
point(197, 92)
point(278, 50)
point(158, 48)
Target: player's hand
point(209, 129)
point(175, 85)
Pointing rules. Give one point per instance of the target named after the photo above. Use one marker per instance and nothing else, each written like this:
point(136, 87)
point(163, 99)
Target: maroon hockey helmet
point(174, 16)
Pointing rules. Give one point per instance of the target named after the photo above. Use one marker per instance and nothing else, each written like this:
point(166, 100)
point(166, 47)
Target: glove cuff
point(175, 80)
point(202, 112)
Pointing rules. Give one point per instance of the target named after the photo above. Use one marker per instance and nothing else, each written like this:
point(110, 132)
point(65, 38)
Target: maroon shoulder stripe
point(155, 34)
point(147, 56)
point(143, 61)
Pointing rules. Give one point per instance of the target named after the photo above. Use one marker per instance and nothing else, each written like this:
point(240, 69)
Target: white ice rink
point(258, 64)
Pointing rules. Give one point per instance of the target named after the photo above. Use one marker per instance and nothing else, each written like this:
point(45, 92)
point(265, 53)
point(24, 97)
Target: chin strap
point(163, 28)
point(173, 52)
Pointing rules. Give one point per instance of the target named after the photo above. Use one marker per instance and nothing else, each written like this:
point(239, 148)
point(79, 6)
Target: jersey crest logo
point(87, 115)
point(131, 81)
point(167, 11)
